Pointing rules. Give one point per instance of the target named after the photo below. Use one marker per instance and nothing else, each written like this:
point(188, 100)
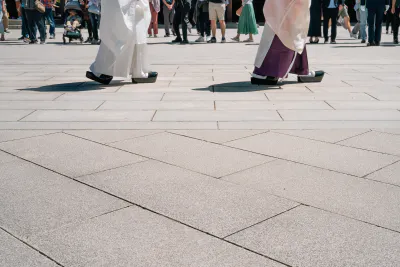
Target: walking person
point(182, 9)
point(94, 9)
point(314, 31)
point(48, 16)
point(376, 10)
point(203, 21)
point(2, 9)
point(86, 20)
point(217, 12)
point(331, 12)
point(154, 9)
point(34, 22)
point(168, 13)
point(247, 22)
point(5, 19)
point(361, 27)
point(395, 9)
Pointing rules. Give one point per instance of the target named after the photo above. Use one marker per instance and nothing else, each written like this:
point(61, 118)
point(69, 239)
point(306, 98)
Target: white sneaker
point(208, 38)
point(200, 39)
point(354, 35)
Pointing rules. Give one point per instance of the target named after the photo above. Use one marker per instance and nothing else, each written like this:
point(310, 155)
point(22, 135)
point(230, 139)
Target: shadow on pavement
point(74, 87)
point(238, 87)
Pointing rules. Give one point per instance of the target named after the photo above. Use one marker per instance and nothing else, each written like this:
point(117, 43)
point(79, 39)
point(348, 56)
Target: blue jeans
point(95, 20)
point(48, 15)
point(363, 23)
point(1, 22)
point(24, 26)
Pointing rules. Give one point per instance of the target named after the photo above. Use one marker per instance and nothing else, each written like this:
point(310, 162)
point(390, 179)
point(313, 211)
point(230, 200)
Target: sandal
point(248, 41)
point(236, 39)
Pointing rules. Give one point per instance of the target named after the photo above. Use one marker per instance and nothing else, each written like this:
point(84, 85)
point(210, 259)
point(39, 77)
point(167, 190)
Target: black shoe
point(377, 44)
point(184, 42)
point(213, 40)
point(103, 79)
point(268, 81)
point(33, 42)
point(363, 41)
point(371, 44)
point(166, 35)
point(89, 40)
point(151, 78)
point(21, 38)
point(333, 42)
point(326, 41)
point(396, 41)
point(319, 75)
point(177, 40)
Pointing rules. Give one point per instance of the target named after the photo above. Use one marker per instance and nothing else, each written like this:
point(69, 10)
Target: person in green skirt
point(247, 22)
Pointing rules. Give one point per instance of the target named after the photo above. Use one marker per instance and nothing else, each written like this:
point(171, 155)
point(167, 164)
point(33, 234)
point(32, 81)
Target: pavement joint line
point(366, 176)
point(329, 104)
point(215, 105)
point(100, 105)
point(367, 131)
point(152, 118)
point(277, 111)
point(58, 96)
point(27, 136)
point(371, 96)
point(262, 221)
point(142, 207)
point(377, 130)
point(32, 247)
point(146, 157)
point(27, 115)
point(309, 89)
point(347, 83)
point(112, 211)
point(314, 166)
point(162, 97)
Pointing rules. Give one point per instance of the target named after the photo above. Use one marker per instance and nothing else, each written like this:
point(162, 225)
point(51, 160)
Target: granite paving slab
point(352, 105)
point(15, 253)
point(195, 96)
point(207, 158)
point(14, 115)
point(5, 157)
point(375, 141)
point(8, 135)
point(22, 96)
point(271, 105)
point(110, 136)
point(38, 200)
point(156, 96)
point(330, 136)
point(219, 136)
point(340, 115)
point(361, 199)
point(389, 174)
point(212, 205)
point(329, 156)
point(50, 105)
point(319, 96)
point(309, 237)
point(69, 155)
point(158, 105)
point(158, 241)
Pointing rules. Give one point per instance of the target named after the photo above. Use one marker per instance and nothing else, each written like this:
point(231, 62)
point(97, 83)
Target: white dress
point(123, 48)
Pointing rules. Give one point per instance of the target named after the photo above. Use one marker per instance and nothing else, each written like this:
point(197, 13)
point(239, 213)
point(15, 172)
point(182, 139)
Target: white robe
point(123, 48)
point(289, 20)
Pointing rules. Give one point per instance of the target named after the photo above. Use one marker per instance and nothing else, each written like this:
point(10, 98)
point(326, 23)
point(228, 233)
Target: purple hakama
point(280, 58)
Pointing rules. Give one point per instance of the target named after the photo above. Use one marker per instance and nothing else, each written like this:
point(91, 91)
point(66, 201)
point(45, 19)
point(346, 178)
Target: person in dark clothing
point(331, 12)
point(314, 30)
point(376, 10)
point(203, 20)
point(34, 19)
point(182, 9)
point(395, 9)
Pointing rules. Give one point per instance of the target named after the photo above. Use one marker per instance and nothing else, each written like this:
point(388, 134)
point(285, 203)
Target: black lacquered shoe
point(152, 78)
point(317, 78)
point(103, 79)
point(268, 81)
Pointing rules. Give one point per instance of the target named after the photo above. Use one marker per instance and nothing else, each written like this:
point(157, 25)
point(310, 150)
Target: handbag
point(239, 11)
point(94, 9)
point(39, 6)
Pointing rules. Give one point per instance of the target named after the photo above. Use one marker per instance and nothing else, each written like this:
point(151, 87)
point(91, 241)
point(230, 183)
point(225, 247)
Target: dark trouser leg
point(202, 23)
point(334, 15)
point(48, 15)
point(378, 24)
point(326, 23)
point(95, 25)
point(166, 14)
point(31, 25)
point(184, 18)
point(90, 27)
point(389, 19)
point(24, 28)
point(396, 24)
point(371, 25)
point(177, 21)
point(40, 25)
point(208, 23)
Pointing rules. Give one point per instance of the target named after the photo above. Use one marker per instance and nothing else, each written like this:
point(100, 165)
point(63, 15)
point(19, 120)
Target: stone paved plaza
point(201, 168)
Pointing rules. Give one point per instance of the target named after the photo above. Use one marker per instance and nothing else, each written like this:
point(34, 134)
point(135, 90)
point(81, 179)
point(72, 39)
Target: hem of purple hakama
point(278, 61)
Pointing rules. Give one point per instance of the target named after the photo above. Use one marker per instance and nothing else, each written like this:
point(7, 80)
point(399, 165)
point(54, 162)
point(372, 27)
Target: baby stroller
point(76, 33)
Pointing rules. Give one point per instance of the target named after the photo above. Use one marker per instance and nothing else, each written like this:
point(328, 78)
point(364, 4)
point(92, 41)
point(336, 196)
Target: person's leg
point(363, 24)
point(395, 26)
point(154, 19)
point(371, 26)
point(184, 18)
point(166, 15)
point(24, 28)
point(38, 17)
point(30, 22)
point(1, 26)
point(202, 23)
point(177, 21)
point(388, 20)
point(50, 19)
point(213, 18)
point(221, 17)
point(378, 24)
point(95, 26)
point(326, 24)
point(208, 24)
point(90, 29)
point(334, 14)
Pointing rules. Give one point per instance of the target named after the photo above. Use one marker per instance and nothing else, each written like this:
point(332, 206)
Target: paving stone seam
point(58, 97)
point(21, 119)
point(366, 176)
point(260, 222)
point(372, 96)
point(378, 131)
point(32, 247)
point(329, 104)
point(27, 136)
point(142, 207)
point(104, 101)
point(275, 157)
